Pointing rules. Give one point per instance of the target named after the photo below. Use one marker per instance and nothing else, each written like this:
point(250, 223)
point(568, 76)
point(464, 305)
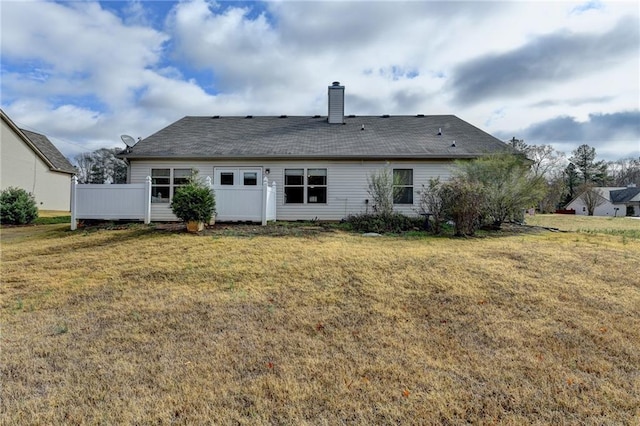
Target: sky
point(554, 73)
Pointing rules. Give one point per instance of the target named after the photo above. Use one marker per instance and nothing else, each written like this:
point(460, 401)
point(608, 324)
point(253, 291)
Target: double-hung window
point(402, 186)
point(160, 185)
point(317, 186)
point(294, 186)
point(305, 186)
point(164, 183)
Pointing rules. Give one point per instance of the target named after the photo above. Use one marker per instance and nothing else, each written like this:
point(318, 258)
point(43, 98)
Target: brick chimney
point(336, 103)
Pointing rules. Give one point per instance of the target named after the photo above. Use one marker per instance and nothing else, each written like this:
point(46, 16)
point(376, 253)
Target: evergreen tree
point(572, 182)
point(589, 170)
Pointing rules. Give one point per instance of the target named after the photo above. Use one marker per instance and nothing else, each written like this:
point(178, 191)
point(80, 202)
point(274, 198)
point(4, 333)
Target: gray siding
point(346, 184)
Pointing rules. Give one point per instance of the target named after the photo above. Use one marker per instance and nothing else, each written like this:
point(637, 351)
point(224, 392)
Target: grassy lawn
point(318, 326)
point(625, 226)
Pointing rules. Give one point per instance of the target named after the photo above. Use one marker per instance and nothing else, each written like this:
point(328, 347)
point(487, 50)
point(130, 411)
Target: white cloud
point(90, 72)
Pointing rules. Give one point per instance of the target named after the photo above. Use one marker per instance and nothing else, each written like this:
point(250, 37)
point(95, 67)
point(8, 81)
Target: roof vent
point(216, 116)
point(453, 144)
point(352, 115)
point(440, 131)
point(420, 115)
point(283, 116)
point(249, 116)
point(316, 116)
point(362, 127)
point(336, 83)
point(385, 116)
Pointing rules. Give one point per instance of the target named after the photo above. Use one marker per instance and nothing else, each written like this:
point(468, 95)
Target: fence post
point(274, 200)
point(74, 184)
point(265, 188)
point(147, 202)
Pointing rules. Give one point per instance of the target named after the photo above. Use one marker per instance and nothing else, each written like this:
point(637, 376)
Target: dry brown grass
point(141, 326)
point(588, 224)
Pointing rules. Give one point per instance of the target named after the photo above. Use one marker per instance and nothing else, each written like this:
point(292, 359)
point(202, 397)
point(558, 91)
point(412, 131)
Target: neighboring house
point(29, 161)
point(614, 202)
point(320, 164)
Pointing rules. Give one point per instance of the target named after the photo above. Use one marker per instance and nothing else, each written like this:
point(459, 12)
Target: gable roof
point(42, 147)
point(613, 194)
point(383, 137)
point(624, 195)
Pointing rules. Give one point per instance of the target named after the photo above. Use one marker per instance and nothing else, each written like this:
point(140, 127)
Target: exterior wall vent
point(336, 103)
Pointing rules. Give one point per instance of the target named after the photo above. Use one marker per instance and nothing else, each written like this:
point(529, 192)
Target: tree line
point(100, 166)
point(566, 178)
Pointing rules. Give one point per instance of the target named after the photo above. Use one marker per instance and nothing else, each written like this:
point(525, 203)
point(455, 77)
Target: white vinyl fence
point(133, 202)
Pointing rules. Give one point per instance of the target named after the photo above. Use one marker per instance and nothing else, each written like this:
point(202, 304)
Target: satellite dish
point(128, 140)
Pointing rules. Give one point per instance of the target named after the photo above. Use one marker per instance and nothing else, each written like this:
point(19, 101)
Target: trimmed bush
point(194, 202)
point(17, 207)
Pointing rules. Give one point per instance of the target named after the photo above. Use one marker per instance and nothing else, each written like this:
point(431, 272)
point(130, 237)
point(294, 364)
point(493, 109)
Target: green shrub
point(194, 202)
point(390, 223)
point(17, 206)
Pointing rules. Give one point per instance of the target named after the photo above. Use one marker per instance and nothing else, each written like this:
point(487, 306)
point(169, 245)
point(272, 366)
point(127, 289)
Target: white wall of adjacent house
point(346, 183)
point(605, 209)
point(22, 168)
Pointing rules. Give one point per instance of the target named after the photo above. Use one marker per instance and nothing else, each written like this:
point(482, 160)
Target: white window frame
point(306, 176)
point(171, 186)
point(403, 187)
point(238, 176)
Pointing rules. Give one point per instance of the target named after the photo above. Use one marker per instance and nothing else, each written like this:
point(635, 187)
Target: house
point(614, 202)
point(320, 164)
point(30, 161)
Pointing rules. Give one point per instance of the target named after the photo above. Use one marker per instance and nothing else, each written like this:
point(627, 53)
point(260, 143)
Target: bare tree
point(431, 203)
point(101, 166)
point(625, 171)
point(380, 189)
point(591, 197)
point(547, 162)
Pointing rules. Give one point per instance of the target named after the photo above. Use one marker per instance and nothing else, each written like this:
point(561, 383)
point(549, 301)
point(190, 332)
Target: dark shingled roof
point(411, 137)
point(46, 148)
point(623, 195)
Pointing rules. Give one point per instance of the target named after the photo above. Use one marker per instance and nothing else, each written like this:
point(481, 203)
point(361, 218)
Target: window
point(250, 178)
point(160, 185)
point(313, 188)
point(402, 186)
point(317, 182)
point(181, 176)
point(165, 181)
point(294, 186)
point(226, 178)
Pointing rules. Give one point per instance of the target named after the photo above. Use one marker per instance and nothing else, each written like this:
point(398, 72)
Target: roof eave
point(305, 157)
